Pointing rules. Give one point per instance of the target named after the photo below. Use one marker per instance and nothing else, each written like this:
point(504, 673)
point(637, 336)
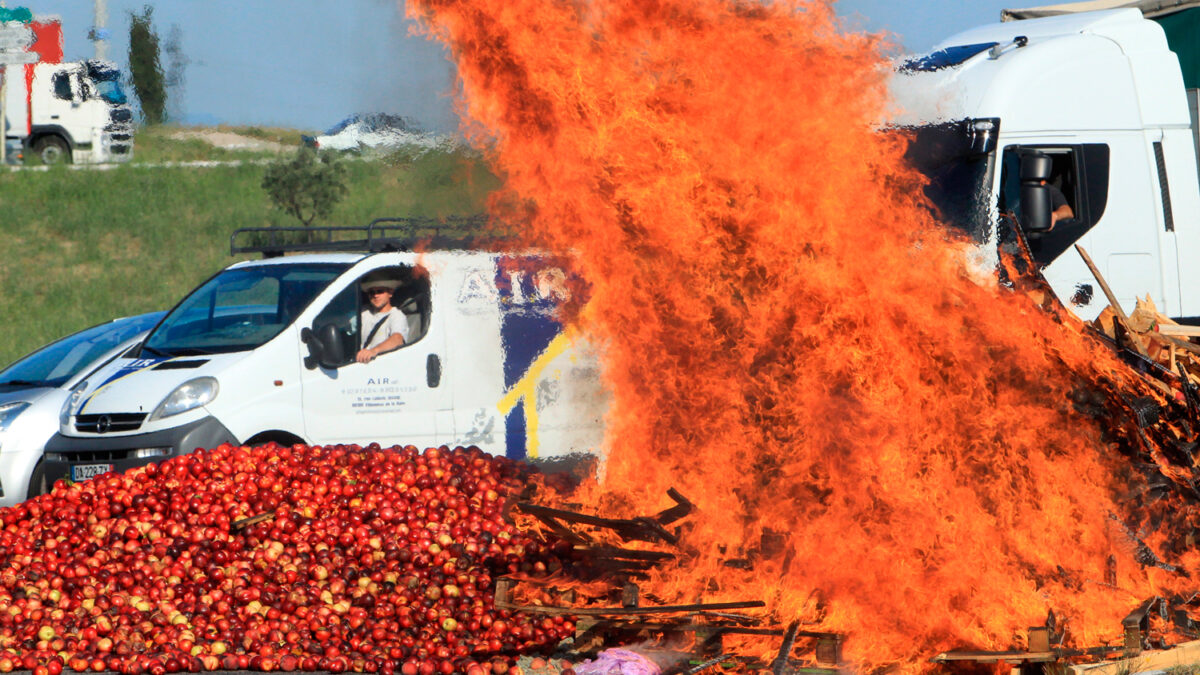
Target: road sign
point(21, 14)
point(15, 37)
point(17, 58)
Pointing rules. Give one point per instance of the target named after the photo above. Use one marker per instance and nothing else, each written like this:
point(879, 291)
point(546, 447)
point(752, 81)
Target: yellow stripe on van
point(526, 388)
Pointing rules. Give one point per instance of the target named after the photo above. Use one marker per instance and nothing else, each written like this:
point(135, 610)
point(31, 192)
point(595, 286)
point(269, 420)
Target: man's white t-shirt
point(393, 320)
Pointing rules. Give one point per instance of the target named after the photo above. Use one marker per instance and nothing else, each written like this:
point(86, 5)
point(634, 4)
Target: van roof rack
point(381, 234)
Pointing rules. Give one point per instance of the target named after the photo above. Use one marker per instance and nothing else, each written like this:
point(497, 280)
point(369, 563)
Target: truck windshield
point(110, 92)
point(57, 362)
point(108, 83)
point(958, 158)
point(945, 58)
point(240, 309)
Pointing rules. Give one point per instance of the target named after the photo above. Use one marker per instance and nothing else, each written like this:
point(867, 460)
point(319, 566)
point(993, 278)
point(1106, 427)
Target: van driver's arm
point(393, 341)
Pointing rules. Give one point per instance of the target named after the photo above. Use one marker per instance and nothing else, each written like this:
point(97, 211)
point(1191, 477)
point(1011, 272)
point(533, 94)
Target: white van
point(265, 351)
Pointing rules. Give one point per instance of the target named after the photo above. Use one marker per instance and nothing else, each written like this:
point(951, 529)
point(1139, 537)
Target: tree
point(144, 67)
point(307, 186)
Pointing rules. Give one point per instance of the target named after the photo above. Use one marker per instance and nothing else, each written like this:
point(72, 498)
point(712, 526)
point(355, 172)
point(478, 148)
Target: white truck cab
point(70, 112)
point(265, 351)
point(1092, 104)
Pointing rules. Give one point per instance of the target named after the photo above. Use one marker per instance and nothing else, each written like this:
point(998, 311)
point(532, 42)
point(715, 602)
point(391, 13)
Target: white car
point(370, 132)
point(33, 389)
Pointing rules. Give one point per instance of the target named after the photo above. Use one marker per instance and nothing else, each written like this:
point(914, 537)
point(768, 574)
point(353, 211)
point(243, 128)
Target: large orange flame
point(791, 340)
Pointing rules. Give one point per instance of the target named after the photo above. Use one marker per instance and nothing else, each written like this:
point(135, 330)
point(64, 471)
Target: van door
point(399, 397)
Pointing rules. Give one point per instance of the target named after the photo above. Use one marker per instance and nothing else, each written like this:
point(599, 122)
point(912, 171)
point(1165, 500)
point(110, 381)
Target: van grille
point(80, 456)
point(89, 456)
point(109, 422)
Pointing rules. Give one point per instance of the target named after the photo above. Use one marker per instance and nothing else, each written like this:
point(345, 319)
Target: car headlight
point(9, 412)
point(72, 403)
point(189, 395)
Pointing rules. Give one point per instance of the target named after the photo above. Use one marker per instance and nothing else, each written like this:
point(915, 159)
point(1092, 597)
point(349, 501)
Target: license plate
point(85, 471)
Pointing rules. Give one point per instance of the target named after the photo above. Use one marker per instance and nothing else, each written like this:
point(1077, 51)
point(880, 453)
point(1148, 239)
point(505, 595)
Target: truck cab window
point(959, 164)
point(1080, 173)
point(62, 86)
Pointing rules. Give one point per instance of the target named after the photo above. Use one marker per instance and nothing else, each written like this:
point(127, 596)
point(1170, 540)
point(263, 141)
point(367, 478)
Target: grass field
point(86, 246)
point(171, 143)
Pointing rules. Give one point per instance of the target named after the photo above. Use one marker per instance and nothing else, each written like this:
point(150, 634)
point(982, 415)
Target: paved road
point(147, 165)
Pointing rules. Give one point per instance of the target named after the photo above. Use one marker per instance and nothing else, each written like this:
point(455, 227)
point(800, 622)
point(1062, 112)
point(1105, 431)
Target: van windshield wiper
point(26, 383)
point(193, 351)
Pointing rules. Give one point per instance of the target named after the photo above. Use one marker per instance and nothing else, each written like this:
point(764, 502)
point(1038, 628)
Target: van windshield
point(240, 309)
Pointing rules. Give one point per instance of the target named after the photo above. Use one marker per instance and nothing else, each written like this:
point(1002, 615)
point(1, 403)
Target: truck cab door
point(61, 100)
point(1114, 234)
point(399, 397)
point(55, 95)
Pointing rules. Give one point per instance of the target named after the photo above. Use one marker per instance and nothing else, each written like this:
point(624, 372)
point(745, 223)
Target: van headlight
point(189, 395)
point(9, 412)
point(74, 399)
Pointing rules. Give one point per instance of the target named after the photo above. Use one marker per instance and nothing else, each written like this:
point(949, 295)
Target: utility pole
point(3, 104)
point(3, 121)
point(15, 39)
point(100, 30)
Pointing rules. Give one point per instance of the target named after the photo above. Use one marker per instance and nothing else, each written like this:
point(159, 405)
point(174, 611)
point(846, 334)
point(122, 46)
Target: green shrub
point(307, 186)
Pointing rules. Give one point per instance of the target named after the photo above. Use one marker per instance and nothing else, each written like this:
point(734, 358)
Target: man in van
point(383, 326)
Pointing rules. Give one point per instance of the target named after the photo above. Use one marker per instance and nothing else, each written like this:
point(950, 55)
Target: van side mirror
point(1035, 196)
point(326, 348)
point(316, 351)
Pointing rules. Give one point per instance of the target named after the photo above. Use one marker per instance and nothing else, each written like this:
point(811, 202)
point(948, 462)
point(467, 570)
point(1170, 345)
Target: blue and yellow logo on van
point(530, 293)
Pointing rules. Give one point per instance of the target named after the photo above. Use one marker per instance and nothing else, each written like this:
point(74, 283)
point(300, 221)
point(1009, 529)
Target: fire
point(792, 340)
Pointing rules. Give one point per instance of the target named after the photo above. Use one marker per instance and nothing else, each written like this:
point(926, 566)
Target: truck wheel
point(52, 150)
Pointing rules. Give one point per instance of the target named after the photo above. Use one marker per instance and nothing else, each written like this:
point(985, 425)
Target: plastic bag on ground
point(618, 662)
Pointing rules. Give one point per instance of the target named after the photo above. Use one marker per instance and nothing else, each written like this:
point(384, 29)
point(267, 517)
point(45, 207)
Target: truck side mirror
point(326, 348)
point(1035, 196)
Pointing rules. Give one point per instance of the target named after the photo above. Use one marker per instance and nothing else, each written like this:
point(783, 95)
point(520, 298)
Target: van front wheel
point(282, 438)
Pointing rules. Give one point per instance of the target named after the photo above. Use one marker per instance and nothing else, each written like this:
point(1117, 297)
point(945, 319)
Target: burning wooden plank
point(652, 529)
point(504, 600)
point(1122, 318)
point(1186, 654)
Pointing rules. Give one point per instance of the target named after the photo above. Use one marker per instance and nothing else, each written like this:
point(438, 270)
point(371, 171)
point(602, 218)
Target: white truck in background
point(1093, 103)
point(62, 111)
point(69, 112)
